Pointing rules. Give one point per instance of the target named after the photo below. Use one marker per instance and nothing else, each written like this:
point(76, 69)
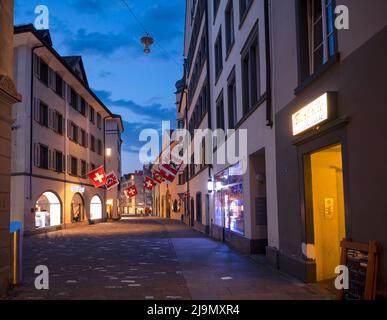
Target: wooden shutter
point(86, 140)
point(36, 110)
point(68, 89)
point(51, 159)
point(86, 110)
point(63, 163)
point(37, 154)
point(63, 89)
point(69, 129)
point(69, 164)
point(63, 126)
point(51, 78)
point(36, 66)
point(51, 118)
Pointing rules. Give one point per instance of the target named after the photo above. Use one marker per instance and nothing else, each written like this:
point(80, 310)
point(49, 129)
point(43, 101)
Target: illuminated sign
point(313, 114)
point(77, 189)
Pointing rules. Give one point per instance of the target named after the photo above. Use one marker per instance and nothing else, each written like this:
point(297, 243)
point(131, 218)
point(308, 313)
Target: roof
point(74, 62)
point(44, 37)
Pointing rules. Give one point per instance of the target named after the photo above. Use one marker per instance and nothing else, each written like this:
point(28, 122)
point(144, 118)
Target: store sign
point(77, 189)
point(312, 115)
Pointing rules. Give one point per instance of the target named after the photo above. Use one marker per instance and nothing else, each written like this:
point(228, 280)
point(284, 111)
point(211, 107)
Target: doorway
point(325, 209)
point(96, 208)
point(77, 209)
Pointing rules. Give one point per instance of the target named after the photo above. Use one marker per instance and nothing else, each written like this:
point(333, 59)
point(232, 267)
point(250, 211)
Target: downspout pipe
point(269, 104)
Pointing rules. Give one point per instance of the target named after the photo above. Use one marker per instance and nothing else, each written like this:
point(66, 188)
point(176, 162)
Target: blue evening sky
point(138, 87)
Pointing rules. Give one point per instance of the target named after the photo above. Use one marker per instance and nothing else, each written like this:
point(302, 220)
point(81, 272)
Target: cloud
point(153, 113)
point(97, 43)
point(104, 74)
point(91, 6)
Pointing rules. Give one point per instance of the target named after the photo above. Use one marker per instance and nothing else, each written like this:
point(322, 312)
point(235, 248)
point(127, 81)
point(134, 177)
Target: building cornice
point(8, 91)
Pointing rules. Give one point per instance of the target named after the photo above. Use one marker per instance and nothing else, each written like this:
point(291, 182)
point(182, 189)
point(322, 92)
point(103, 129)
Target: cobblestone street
point(149, 259)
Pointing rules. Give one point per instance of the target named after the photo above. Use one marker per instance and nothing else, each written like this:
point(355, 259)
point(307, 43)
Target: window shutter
point(69, 129)
point(79, 98)
point(51, 118)
point(37, 154)
point(63, 163)
point(68, 89)
point(69, 164)
point(63, 89)
point(51, 159)
point(86, 109)
point(36, 66)
point(36, 110)
point(63, 126)
point(51, 78)
point(86, 140)
point(77, 134)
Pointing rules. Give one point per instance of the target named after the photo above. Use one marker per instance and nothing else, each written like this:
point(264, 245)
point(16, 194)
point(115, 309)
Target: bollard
point(16, 241)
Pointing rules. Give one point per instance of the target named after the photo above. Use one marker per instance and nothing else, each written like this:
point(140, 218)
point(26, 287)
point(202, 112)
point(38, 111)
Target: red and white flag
point(149, 184)
point(169, 171)
point(98, 177)
point(131, 192)
point(157, 177)
point(111, 181)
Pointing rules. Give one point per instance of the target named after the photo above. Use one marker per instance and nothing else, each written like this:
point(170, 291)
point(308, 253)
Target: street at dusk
point(193, 158)
point(143, 258)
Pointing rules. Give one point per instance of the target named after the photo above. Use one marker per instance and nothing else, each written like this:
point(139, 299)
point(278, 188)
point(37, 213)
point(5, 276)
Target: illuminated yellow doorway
point(324, 171)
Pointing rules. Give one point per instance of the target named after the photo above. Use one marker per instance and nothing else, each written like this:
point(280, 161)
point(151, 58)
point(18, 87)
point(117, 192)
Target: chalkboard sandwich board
point(362, 261)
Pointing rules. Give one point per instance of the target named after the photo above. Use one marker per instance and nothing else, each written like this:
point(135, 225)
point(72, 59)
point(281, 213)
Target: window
point(229, 199)
point(180, 124)
point(92, 143)
point(218, 54)
point(74, 132)
point(83, 168)
point(216, 7)
point(232, 102)
point(244, 6)
point(74, 99)
point(83, 141)
point(250, 72)
point(43, 114)
point(230, 32)
point(99, 149)
point(220, 112)
point(317, 42)
point(43, 157)
point(93, 166)
point(99, 121)
point(59, 159)
point(92, 115)
point(58, 123)
point(59, 86)
point(83, 107)
point(44, 72)
point(74, 166)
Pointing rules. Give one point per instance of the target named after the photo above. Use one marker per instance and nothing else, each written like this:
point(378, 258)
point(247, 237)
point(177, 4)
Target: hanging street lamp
point(147, 41)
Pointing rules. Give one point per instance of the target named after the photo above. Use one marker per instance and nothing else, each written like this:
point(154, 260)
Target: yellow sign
point(313, 114)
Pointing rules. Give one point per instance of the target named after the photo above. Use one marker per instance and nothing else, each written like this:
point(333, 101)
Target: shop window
point(47, 211)
point(229, 202)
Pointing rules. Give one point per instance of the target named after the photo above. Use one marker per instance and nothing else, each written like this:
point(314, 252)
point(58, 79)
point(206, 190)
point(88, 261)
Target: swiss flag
point(149, 184)
point(111, 181)
point(131, 192)
point(169, 171)
point(98, 177)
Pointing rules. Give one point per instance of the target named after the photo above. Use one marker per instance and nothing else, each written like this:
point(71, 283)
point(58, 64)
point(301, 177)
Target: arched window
point(48, 211)
point(96, 208)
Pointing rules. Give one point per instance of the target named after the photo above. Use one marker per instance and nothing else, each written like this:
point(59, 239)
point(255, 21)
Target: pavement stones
point(148, 259)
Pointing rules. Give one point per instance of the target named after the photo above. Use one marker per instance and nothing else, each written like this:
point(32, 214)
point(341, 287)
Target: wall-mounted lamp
point(108, 152)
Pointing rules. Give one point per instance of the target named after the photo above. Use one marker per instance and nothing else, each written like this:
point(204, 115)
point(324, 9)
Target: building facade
point(244, 200)
point(58, 137)
point(113, 130)
point(196, 111)
point(330, 104)
point(137, 204)
point(8, 97)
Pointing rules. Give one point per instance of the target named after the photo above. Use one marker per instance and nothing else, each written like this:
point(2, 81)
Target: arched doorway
point(77, 209)
point(48, 211)
point(95, 208)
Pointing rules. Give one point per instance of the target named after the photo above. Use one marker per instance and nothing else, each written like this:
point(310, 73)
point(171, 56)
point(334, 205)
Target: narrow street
point(144, 258)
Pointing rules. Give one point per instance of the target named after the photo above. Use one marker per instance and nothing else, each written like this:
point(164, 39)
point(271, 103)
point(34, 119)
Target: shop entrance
point(77, 209)
point(325, 209)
